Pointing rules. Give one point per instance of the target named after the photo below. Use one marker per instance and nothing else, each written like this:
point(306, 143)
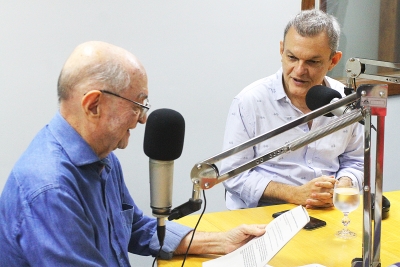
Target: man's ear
point(91, 103)
point(335, 59)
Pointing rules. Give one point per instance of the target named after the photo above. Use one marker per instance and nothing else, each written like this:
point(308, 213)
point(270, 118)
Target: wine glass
point(346, 198)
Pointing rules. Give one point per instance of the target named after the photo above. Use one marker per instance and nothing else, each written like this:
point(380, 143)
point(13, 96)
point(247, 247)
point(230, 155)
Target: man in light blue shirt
point(305, 176)
point(65, 202)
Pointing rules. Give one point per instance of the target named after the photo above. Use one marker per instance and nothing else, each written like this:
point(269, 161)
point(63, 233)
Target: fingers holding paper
point(242, 234)
point(220, 243)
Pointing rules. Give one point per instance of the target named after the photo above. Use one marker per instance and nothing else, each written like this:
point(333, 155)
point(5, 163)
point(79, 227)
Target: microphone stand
point(356, 67)
point(372, 225)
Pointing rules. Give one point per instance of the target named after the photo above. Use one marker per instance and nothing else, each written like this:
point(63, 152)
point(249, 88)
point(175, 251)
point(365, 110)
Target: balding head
point(103, 120)
point(98, 65)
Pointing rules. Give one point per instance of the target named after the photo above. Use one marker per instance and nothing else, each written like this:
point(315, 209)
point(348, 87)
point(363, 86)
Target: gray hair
point(109, 75)
point(309, 23)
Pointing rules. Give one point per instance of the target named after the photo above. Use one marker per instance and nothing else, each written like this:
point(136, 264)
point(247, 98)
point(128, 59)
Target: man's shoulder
point(42, 164)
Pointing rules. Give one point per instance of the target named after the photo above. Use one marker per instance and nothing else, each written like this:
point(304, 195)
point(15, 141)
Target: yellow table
point(307, 247)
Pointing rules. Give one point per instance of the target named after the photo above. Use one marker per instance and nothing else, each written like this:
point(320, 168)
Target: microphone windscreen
point(164, 135)
point(319, 96)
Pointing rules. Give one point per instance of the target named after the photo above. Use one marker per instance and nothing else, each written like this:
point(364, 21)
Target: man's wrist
point(203, 243)
point(279, 192)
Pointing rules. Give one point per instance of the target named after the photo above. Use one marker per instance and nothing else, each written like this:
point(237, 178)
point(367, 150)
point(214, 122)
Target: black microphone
point(163, 143)
point(319, 96)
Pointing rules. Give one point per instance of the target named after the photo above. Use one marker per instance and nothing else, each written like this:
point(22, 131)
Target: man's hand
point(220, 242)
point(242, 234)
point(319, 191)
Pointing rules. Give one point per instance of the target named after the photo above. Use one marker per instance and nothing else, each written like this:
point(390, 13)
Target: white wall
point(198, 55)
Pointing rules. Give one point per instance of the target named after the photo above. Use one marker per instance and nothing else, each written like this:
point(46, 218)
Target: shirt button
point(309, 161)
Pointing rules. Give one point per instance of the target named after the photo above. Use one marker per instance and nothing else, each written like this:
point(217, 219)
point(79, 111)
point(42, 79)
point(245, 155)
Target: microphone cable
point(195, 228)
point(157, 256)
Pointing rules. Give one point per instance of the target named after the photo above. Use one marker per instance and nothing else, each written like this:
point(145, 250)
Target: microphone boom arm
point(205, 174)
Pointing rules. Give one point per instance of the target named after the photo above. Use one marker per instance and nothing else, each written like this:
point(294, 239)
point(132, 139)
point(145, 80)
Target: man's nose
point(143, 119)
point(300, 68)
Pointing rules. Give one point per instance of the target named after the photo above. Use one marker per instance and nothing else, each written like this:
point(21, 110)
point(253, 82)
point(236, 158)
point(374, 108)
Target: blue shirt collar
point(77, 149)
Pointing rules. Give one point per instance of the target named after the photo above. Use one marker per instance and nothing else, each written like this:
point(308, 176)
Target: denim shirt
point(63, 206)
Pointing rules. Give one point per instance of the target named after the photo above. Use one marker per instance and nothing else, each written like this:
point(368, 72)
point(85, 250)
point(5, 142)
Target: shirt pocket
point(127, 218)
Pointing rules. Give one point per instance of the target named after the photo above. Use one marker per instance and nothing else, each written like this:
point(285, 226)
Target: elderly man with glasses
point(65, 202)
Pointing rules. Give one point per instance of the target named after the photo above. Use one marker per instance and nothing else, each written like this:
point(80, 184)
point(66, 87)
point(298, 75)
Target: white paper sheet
point(259, 251)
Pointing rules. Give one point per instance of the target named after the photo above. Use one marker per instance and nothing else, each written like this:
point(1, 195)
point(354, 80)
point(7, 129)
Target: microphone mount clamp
point(356, 68)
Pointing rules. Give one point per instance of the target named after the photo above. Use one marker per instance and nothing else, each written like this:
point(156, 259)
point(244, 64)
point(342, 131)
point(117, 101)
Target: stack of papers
point(260, 250)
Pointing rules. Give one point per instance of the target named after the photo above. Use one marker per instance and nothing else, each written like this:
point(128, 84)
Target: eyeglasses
point(143, 107)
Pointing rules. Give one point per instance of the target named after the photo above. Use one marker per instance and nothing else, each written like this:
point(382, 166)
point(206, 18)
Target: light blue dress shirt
point(263, 106)
point(63, 206)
